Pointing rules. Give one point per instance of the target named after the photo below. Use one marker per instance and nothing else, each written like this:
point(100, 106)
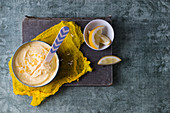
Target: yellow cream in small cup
point(26, 60)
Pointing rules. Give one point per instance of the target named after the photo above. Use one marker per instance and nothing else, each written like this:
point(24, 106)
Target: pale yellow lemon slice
point(104, 40)
point(94, 37)
point(108, 60)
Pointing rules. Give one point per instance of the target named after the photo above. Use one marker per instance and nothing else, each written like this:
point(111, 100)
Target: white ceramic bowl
point(108, 31)
point(57, 68)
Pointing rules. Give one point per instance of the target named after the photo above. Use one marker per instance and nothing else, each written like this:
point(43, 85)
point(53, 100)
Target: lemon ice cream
point(29, 67)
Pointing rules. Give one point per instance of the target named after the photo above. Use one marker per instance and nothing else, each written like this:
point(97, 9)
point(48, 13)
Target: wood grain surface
point(101, 75)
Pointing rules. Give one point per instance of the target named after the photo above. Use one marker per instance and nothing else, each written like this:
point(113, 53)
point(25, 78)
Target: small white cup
point(108, 31)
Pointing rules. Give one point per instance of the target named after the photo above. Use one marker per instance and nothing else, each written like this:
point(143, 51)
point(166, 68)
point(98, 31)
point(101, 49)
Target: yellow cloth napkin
point(72, 63)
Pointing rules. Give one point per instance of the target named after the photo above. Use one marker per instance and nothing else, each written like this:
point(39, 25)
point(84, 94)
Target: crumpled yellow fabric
point(72, 63)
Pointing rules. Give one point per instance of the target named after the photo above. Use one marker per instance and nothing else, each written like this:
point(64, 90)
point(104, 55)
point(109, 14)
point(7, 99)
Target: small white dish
point(108, 31)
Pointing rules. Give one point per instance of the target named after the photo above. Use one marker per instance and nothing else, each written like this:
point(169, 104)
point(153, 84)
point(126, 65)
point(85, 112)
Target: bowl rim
point(86, 29)
point(25, 83)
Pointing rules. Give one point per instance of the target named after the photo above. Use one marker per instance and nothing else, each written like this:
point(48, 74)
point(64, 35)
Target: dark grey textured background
point(142, 41)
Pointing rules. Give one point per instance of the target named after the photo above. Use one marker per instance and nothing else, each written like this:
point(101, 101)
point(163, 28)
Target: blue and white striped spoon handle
point(59, 39)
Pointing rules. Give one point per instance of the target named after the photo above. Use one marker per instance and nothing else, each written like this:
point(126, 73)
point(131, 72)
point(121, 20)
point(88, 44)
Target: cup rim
point(25, 83)
point(84, 33)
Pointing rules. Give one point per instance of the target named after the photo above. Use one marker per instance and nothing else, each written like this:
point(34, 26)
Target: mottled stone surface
point(142, 40)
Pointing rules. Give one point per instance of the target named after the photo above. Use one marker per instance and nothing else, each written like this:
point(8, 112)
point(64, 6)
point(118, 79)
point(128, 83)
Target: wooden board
point(101, 75)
